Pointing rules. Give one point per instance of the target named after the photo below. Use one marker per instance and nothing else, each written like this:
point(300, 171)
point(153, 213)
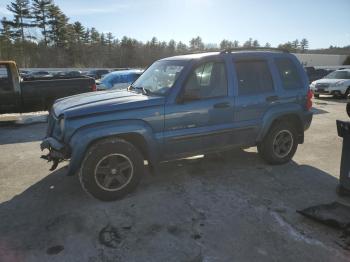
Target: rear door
point(9, 97)
point(255, 94)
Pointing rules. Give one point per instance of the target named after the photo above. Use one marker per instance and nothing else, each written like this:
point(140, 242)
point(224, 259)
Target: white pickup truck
point(336, 83)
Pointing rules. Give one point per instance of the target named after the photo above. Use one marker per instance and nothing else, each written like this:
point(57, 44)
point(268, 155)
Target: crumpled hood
point(101, 102)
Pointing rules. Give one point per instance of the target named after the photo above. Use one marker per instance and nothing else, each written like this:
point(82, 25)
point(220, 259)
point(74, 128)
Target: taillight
point(93, 87)
point(309, 100)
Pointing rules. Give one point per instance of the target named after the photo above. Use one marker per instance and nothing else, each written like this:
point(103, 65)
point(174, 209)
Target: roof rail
point(229, 50)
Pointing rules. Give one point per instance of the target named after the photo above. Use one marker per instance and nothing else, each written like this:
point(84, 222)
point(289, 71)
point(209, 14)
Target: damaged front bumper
point(57, 151)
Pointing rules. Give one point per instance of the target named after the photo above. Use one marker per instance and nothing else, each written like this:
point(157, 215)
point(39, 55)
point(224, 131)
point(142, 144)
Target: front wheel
point(111, 169)
point(279, 145)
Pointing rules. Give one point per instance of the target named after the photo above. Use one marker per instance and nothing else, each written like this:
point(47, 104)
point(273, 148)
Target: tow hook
point(55, 160)
point(50, 157)
point(57, 152)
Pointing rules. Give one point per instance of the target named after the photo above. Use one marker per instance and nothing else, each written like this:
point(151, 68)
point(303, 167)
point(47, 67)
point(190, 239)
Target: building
point(321, 60)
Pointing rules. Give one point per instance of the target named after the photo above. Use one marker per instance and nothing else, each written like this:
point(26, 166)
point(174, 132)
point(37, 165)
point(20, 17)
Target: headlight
point(339, 83)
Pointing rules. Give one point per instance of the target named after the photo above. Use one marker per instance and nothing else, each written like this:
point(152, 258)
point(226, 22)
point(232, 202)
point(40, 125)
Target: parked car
point(118, 79)
point(336, 83)
point(18, 96)
point(38, 74)
point(23, 73)
point(179, 107)
point(97, 73)
point(68, 74)
point(316, 74)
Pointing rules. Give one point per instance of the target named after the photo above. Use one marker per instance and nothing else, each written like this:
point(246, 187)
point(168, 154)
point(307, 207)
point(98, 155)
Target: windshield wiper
point(144, 91)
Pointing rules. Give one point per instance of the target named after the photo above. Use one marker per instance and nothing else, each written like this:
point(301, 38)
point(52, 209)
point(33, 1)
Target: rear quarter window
point(288, 73)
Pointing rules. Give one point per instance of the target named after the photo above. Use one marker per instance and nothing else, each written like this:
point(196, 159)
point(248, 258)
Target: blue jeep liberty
point(182, 106)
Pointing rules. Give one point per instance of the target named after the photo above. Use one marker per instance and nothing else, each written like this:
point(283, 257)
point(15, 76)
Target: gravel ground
point(224, 207)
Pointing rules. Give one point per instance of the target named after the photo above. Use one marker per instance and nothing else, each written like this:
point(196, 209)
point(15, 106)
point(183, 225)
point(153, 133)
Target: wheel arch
point(272, 119)
point(137, 133)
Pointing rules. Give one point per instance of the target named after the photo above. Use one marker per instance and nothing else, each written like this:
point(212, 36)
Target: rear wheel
point(111, 169)
point(279, 145)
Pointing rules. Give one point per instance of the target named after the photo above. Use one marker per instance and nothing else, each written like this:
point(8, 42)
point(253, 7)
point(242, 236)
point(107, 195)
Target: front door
point(201, 119)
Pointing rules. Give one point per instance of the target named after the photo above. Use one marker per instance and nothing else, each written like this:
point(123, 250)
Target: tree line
point(61, 43)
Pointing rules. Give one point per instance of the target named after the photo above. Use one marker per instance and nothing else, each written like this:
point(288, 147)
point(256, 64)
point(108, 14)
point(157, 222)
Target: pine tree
point(295, 44)
point(196, 44)
point(40, 11)
point(95, 36)
point(304, 44)
point(21, 12)
point(58, 26)
point(79, 32)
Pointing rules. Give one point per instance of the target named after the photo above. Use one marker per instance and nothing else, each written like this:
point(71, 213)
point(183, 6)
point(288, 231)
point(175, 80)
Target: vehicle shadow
point(55, 210)
point(318, 111)
point(330, 99)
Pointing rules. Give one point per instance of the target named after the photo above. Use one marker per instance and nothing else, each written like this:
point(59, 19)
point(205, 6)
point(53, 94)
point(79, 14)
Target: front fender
point(278, 112)
point(85, 136)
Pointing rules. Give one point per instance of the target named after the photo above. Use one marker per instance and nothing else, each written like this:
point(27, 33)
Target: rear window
point(288, 73)
point(254, 77)
point(3, 72)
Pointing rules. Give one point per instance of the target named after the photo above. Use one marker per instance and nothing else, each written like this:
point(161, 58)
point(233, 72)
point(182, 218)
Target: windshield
point(160, 76)
point(338, 75)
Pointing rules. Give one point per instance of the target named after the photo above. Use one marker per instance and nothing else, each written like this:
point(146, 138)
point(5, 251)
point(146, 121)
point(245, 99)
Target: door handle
point(222, 105)
point(272, 98)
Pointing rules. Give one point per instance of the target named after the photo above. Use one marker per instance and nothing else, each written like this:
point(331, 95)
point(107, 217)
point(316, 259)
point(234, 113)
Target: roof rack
point(229, 50)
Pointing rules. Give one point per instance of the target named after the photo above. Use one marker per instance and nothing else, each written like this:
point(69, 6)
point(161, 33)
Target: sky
point(322, 22)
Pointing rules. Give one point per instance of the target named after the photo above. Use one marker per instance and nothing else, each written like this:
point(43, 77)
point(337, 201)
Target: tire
point(105, 174)
point(268, 151)
point(316, 95)
point(347, 93)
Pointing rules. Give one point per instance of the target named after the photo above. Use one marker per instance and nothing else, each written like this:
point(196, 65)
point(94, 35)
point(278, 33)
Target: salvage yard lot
point(224, 207)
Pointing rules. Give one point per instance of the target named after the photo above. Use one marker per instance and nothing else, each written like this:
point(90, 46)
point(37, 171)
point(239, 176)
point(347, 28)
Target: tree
point(248, 43)
point(226, 44)
point(95, 36)
point(268, 45)
point(109, 39)
point(287, 46)
point(304, 44)
point(79, 32)
point(171, 48)
point(181, 48)
point(295, 44)
point(40, 11)
point(21, 12)
point(196, 44)
point(58, 22)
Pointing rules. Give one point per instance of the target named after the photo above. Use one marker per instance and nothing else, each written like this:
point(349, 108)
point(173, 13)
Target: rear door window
point(289, 74)
point(253, 77)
